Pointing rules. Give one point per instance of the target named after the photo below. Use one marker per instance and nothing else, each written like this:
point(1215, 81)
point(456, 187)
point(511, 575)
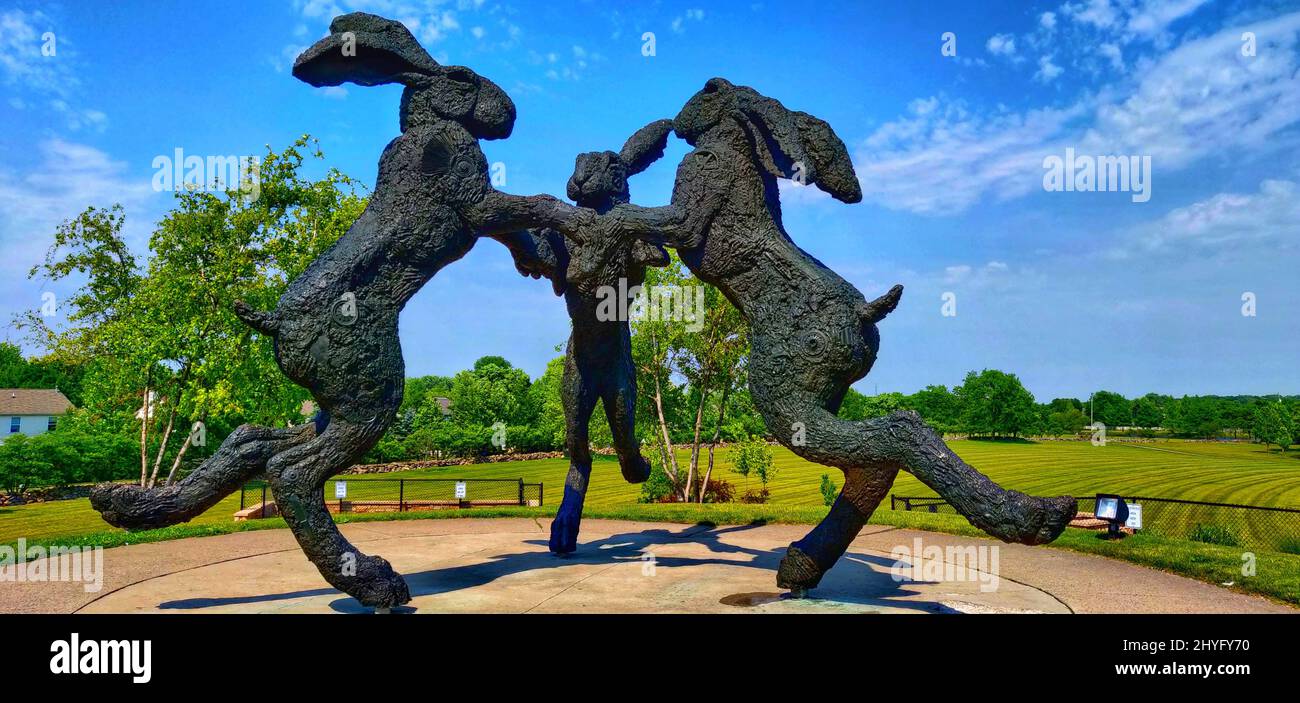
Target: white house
point(31, 411)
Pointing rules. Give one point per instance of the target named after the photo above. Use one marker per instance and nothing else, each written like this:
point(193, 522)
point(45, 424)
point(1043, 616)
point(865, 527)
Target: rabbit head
point(787, 143)
point(600, 178)
point(370, 50)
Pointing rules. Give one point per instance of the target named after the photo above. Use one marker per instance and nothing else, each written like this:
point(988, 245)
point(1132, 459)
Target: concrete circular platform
point(503, 566)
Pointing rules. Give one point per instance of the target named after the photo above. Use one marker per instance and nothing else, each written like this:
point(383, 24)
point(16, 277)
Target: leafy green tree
point(862, 407)
point(994, 403)
point(1147, 412)
point(710, 354)
point(1272, 424)
point(550, 407)
point(1070, 421)
point(753, 457)
point(493, 391)
point(162, 339)
point(937, 406)
point(1111, 409)
point(1195, 416)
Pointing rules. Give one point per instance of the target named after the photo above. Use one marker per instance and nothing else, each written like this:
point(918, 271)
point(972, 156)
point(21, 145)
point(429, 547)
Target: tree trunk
point(670, 458)
point(162, 447)
point(189, 440)
point(144, 439)
point(713, 443)
point(695, 446)
point(171, 419)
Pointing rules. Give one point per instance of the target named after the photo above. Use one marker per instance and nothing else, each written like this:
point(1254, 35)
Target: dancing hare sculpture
point(335, 328)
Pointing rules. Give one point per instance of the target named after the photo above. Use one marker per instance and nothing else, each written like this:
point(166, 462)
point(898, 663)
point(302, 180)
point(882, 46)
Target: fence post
point(243, 487)
point(401, 495)
point(521, 491)
point(892, 501)
point(264, 500)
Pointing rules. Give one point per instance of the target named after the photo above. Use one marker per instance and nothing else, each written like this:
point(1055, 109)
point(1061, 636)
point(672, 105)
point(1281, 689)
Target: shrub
point(658, 488)
point(719, 491)
point(21, 465)
point(756, 496)
point(829, 490)
point(1290, 545)
point(1214, 534)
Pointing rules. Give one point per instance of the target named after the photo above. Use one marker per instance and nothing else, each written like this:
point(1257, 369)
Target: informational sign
point(1134, 520)
point(340, 489)
point(460, 490)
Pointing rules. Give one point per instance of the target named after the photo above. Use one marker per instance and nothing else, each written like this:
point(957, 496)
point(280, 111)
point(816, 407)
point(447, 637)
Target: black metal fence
point(1227, 524)
point(403, 494)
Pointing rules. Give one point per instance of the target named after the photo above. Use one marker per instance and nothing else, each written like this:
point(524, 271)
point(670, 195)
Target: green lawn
point(1218, 472)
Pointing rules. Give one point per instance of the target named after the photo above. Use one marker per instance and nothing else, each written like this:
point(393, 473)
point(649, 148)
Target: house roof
point(33, 401)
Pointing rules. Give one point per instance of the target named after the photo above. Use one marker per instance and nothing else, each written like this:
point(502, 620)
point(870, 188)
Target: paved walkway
point(503, 566)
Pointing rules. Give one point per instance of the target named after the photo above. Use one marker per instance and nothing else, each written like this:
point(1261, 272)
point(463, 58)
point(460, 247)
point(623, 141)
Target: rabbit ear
point(367, 50)
point(799, 145)
point(646, 146)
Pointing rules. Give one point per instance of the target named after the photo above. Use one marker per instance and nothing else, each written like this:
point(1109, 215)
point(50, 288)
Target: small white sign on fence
point(340, 489)
point(460, 490)
point(1134, 520)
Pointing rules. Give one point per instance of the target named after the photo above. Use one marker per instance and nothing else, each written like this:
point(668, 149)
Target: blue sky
point(1073, 291)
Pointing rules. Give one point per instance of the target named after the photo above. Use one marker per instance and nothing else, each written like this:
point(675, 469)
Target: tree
point(862, 407)
point(753, 457)
point(1111, 409)
point(493, 391)
point(937, 406)
point(994, 403)
point(162, 343)
point(1147, 412)
point(1195, 416)
point(710, 353)
point(1066, 422)
point(1271, 424)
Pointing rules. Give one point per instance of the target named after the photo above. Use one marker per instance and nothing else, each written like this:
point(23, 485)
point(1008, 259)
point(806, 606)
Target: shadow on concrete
point(853, 581)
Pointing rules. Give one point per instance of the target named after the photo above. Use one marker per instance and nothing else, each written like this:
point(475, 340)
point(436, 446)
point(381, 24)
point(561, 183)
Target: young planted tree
point(708, 348)
point(166, 335)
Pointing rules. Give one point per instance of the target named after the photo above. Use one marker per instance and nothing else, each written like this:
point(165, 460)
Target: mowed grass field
point(1217, 472)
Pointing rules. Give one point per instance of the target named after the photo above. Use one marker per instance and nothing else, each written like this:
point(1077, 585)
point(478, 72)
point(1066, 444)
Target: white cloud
point(1047, 20)
point(1098, 13)
point(68, 178)
point(1001, 45)
point(679, 23)
point(1047, 71)
point(1226, 221)
point(1112, 53)
point(49, 80)
point(1153, 16)
point(1200, 99)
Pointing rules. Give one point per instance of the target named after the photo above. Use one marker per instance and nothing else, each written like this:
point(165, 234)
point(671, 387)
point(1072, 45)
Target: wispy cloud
point(1199, 99)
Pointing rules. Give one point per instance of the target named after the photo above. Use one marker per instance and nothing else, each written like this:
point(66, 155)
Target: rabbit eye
point(460, 75)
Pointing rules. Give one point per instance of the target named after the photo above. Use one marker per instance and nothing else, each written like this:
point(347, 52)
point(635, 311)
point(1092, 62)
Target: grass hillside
point(1232, 473)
